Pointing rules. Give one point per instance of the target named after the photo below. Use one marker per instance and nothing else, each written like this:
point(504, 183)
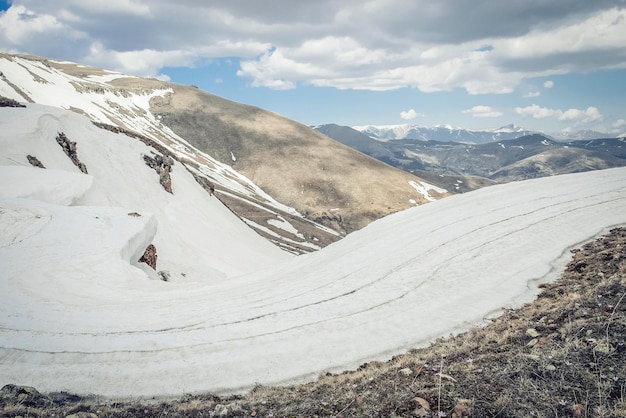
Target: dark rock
point(149, 256)
point(6, 102)
point(69, 147)
point(163, 166)
point(34, 161)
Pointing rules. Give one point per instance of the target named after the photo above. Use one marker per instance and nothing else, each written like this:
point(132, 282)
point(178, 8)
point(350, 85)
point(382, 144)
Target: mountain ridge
point(465, 166)
point(325, 204)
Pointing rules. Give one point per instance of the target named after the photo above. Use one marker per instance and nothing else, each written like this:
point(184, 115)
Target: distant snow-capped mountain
point(448, 133)
point(442, 133)
point(523, 157)
point(585, 134)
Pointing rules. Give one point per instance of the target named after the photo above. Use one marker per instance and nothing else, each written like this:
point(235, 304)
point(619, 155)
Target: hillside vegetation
point(560, 356)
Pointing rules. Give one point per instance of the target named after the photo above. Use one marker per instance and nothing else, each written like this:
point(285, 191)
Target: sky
point(548, 65)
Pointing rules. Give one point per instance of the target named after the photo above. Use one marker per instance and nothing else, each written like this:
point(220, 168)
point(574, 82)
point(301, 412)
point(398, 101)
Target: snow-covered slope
point(306, 179)
point(197, 237)
point(78, 313)
point(117, 100)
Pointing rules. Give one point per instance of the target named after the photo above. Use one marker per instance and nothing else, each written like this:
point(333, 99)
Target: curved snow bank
point(66, 259)
point(399, 282)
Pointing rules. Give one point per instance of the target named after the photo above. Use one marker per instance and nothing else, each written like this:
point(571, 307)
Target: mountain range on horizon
point(446, 133)
point(467, 160)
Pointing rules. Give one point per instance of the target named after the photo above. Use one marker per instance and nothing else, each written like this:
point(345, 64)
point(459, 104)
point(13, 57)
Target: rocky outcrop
point(6, 102)
point(149, 256)
point(69, 147)
point(163, 166)
point(34, 161)
point(22, 395)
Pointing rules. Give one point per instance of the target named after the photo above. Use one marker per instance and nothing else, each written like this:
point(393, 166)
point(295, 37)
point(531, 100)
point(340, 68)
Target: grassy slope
point(323, 179)
point(561, 356)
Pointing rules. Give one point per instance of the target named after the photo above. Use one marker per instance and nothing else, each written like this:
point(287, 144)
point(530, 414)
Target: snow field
point(78, 314)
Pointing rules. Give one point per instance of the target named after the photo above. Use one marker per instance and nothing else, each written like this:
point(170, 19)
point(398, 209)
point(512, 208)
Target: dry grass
point(561, 356)
point(326, 178)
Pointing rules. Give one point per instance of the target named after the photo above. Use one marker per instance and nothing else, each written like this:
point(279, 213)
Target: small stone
point(532, 333)
point(550, 367)
point(220, 410)
point(463, 409)
point(406, 371)
point(423, 407)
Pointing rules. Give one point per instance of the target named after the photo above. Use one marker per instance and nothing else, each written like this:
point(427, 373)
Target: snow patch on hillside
point(424, 189)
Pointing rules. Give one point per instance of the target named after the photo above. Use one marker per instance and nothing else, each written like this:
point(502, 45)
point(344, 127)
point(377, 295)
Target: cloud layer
point(482, 47)
point(576, 116)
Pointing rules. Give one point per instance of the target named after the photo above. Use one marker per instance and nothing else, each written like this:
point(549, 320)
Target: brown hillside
point(298, 166)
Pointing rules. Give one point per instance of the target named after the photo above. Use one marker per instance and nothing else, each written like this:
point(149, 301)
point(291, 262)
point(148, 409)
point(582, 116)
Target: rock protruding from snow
point(6, 102)
point(69, 147)
point(149, 256)
point(163, 167)
point(34, 161)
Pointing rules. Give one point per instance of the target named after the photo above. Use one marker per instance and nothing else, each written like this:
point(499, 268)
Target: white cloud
point(537, 112)
point(144, 63)
point(548, 84)
point(20, 26)
point(114, 6)
point(619, 123)
point(591, 114)
point(531, 94)
point(409, 114)
point(483, 112)
point(577, 116)
point(346, 45)
point(618, 127)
